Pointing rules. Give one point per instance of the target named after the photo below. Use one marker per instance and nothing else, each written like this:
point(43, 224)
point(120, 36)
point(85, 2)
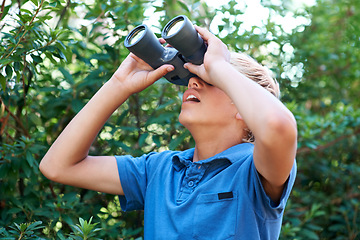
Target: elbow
point(47, 169)
point(287, 126)
point(282, 128)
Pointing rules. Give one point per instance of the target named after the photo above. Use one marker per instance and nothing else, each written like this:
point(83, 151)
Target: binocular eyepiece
point(187, 46)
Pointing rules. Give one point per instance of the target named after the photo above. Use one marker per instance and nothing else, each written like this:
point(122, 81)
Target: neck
point(211, 141)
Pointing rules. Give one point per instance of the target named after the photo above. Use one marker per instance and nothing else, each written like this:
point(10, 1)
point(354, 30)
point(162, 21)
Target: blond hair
point(259, 74)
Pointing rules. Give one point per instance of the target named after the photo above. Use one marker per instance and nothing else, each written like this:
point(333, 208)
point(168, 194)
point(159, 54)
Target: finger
point(162, 41)
point(136, 58)
point(204, 33)
point(195, 69)
point(141, 63)
point(160, 72)
point(199, 71)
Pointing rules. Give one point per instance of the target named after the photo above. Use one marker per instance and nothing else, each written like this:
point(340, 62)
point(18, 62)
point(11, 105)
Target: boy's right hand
point(135, 75)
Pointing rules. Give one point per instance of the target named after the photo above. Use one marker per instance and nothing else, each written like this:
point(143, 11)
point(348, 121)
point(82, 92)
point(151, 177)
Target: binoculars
point(186, 46)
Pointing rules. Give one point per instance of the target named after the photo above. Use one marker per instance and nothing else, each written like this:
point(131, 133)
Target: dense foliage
point(54, 55)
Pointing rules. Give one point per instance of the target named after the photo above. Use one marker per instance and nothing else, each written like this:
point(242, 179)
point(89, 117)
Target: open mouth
point(192, 98)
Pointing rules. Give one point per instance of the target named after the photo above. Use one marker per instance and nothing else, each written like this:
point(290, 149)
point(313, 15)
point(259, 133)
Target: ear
point(238, 116)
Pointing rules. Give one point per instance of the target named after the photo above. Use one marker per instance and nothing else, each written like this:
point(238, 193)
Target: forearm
point(74, 142)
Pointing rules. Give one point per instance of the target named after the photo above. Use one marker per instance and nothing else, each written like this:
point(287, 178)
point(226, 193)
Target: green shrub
point(54, 55)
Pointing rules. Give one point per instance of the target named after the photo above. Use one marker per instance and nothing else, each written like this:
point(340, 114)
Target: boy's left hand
point(216, 54)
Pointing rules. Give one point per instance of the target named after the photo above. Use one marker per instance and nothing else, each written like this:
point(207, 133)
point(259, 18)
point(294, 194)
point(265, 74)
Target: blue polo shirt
point(218, 198)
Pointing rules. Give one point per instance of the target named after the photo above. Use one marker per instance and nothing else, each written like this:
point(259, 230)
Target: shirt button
point(191, 184)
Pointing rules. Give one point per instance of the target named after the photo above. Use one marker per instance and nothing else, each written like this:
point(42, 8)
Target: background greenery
point(55, 54)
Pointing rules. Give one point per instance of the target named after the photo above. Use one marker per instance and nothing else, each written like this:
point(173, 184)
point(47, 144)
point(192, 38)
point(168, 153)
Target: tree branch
point(63, 12)
point(2, 9)
point(17, 120)
point(25, 31)
point(305, 150)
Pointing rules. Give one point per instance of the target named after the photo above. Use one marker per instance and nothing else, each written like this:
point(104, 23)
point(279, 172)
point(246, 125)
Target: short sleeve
point(263, 204)
point(132, 173)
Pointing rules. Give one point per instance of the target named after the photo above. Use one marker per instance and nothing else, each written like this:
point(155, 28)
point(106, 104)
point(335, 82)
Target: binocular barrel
point(181, 34)
point(144, 44)
point(186, 46)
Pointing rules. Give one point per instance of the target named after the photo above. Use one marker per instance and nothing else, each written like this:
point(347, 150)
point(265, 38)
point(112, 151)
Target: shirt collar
point(183, 159)
point(232, 154)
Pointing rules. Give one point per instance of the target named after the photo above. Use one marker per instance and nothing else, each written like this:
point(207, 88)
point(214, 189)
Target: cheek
point(222, 105)
point(221, 112)
point(224, 111)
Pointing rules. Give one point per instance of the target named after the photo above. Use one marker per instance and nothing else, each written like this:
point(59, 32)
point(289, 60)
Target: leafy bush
point(83, 230)
point(54, 55)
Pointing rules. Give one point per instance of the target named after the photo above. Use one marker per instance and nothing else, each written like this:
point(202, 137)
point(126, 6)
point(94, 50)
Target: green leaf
point(45, 18)
point(35, 2)
point(35, 225)
point(183, 6)
point(30, 159)
point(22, 227)
point(175, 142)
point(26, 11)
point(2, 231)
point(156, 140)
point(50, 57)
point(17, 66)
point(99, 56)
point(2, 82)
point(25, 18)
point(8, 71)
point(36, 59)
point(309, 234)
point(35, 119)
point(67, 75)
point(4, 13)
point(81, 221)
point(143, 138)
point(77, 105)
point(60, 45)
point(27, 170)
point(53, 4)
point(5, 61)
point(61, 54)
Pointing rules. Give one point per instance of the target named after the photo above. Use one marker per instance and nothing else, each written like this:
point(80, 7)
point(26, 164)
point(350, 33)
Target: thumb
point(160, 72)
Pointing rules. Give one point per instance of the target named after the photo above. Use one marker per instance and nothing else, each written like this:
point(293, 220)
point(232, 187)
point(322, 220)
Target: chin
point(185, 119)
point(182, 118)
point(190, 121)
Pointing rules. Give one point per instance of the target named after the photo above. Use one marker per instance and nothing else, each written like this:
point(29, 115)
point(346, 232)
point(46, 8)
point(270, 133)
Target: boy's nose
point(196, 82)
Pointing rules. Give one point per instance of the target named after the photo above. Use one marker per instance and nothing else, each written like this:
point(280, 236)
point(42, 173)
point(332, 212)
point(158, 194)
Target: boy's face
point(205, 105)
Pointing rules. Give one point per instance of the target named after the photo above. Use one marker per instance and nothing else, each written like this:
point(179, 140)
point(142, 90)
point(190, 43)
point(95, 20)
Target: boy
point(224, 188)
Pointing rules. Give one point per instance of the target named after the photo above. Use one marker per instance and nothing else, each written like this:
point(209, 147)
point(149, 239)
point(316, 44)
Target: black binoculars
point(186, 46)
